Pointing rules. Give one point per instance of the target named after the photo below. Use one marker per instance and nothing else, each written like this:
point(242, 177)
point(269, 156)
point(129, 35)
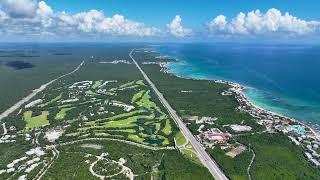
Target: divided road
point(204, 157)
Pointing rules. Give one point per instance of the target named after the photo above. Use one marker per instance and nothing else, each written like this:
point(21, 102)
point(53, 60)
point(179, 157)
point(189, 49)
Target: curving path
point(125, 170)
point(43, 171)
point(249, 167)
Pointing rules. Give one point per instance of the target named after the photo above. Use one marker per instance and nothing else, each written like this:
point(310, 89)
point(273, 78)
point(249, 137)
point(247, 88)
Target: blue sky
point(174, 20)
point(195, 12)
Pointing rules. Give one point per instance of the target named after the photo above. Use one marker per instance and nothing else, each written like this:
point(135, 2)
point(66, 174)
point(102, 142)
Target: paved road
point(250, 165)
point(34, 92)
point(44, 170)
point(202, 154)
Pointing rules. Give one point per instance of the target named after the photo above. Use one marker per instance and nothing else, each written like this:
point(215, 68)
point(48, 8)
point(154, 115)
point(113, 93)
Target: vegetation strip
point(118, 140)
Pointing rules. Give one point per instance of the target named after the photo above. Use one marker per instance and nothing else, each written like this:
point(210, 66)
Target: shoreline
point(259, 108)
point(238, 90)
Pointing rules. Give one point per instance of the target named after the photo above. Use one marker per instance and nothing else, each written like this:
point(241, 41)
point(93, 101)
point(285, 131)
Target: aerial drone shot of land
point(114, 111)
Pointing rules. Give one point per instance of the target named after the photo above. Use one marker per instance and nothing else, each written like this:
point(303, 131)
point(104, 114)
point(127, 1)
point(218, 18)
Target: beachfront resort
point(297, 132)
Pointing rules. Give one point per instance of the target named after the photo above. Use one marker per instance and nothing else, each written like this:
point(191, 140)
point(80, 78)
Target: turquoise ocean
point(281, 78)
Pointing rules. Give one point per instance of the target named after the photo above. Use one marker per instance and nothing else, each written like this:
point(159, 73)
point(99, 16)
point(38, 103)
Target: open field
point(36, 121)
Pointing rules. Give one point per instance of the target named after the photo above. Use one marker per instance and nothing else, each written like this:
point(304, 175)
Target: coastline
point(238, 90)
point(291, 134)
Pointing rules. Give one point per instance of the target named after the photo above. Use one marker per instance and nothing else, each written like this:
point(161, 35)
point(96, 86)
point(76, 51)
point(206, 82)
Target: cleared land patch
point(37, 121)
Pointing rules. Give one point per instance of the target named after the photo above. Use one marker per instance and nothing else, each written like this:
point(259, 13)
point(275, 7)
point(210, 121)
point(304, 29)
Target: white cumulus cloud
point(255, 23)
point(19, 8)
point(176, 29)
point(28, 18)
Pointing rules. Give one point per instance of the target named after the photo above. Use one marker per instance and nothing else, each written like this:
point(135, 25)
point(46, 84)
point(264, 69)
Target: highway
point(204, 157)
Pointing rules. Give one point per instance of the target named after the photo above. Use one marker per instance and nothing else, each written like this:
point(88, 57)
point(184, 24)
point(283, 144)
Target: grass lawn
point(62, 113)
point(167, 129)
point(125, 114)
point(127, 85)
point(158, 126)
point(180, 139)
point(37, 121)
point(101, 134)
point(137, 96)
point(136, 138)
point(165, 142)
point(145, 102)
point(91, 93)
point(96, 84)
point(140, 82)
point(191, 155)
point(129, 122)
point(51, 101)
point(73, 134)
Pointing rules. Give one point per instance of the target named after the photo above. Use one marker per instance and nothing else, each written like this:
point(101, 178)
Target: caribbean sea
point(281, 78)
